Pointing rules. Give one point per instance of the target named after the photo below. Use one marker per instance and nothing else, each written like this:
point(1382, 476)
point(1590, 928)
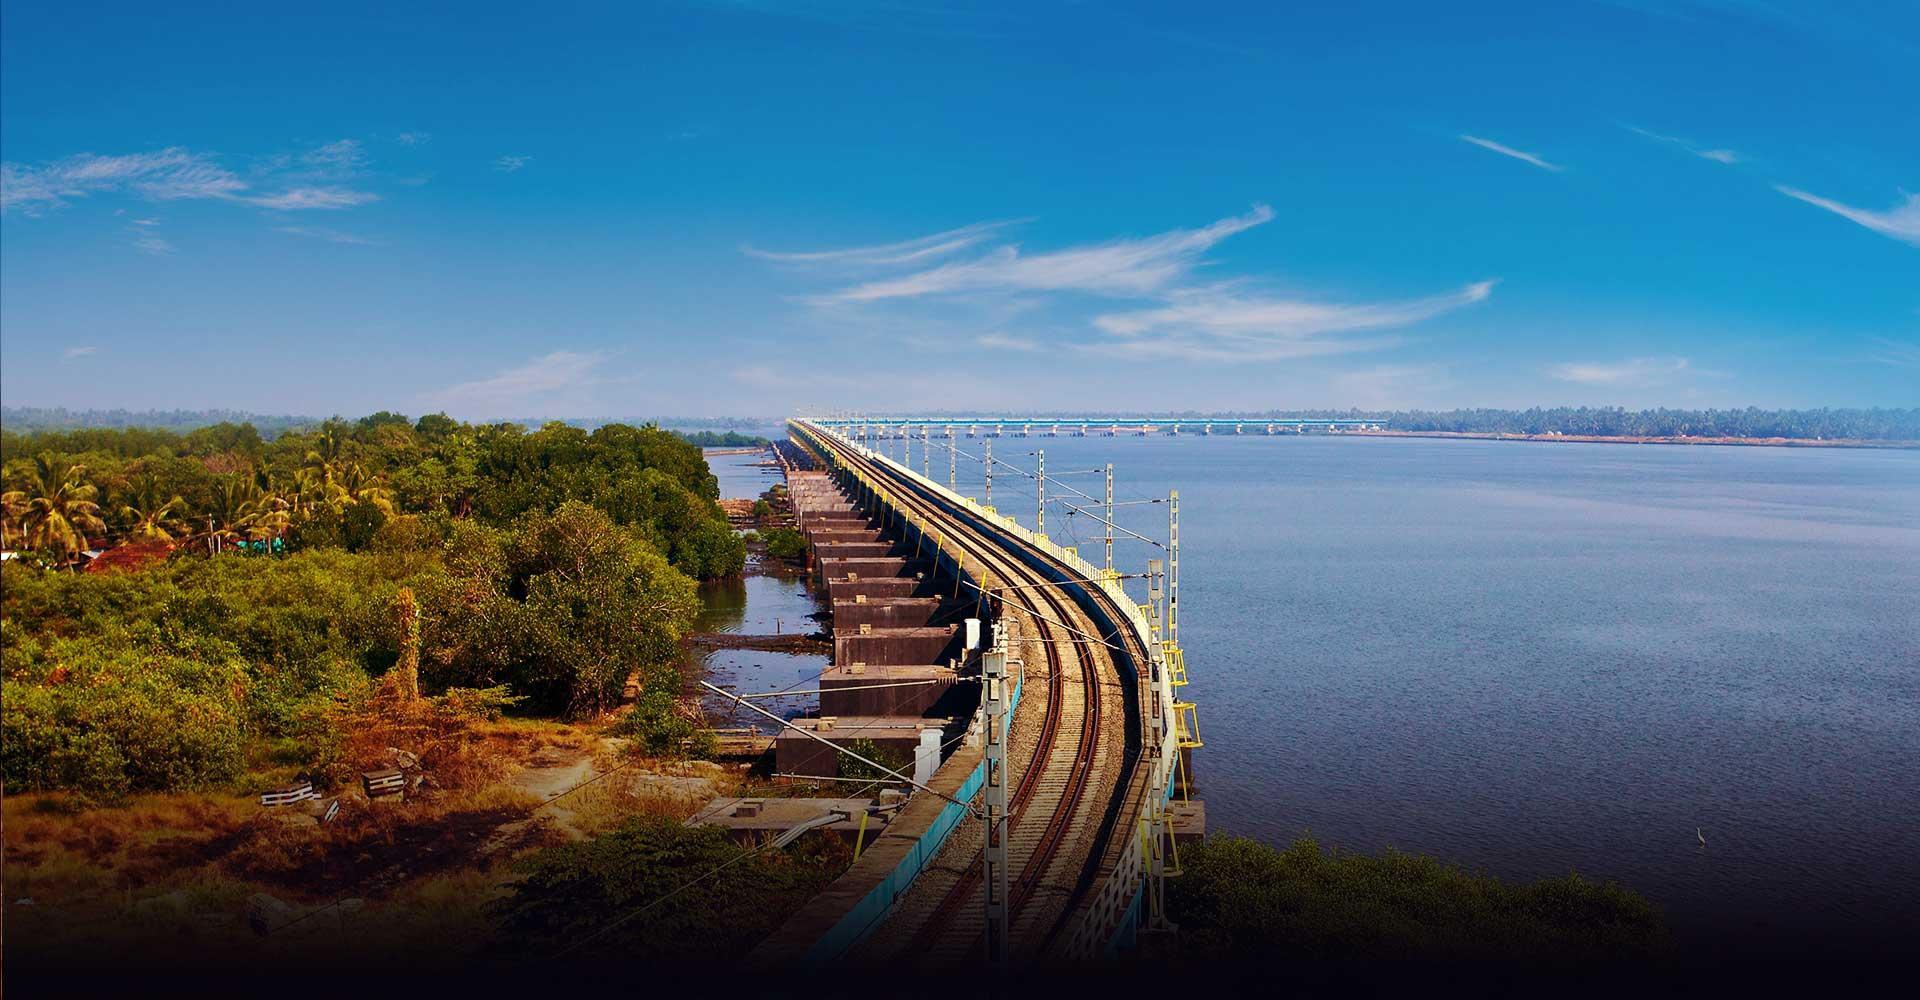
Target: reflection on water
point(743, 476)
point(758, 604)
point(752, 671)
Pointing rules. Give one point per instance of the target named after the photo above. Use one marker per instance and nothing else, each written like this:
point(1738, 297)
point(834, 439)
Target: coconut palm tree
point(327, 451)
point(59, 507)
point(13, 507)
point(355, 485)
point(233, 509)
point(146, 514)
point(302, 490)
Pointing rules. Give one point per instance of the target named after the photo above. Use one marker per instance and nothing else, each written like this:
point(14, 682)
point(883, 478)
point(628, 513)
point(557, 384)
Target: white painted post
point(994, 697)
point(1040, 496)
point(1109, 513)
point(926, 756)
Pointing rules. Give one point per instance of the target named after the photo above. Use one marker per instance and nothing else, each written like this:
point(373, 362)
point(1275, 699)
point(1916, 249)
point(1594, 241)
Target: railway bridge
point(868, 428)
point(1045, 832)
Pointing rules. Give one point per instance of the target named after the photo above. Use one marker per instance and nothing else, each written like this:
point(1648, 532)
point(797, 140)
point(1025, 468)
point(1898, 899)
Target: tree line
point(286, 579)
point(723, 439)
point(226, 487)
point(1751, 422)
point(1891, 424)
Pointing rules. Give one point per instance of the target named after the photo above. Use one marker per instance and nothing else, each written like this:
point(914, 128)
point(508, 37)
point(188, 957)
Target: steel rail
point(1053, 834)
point(1074, 796)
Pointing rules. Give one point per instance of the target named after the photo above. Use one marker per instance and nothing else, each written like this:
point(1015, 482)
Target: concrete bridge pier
point(886, 612)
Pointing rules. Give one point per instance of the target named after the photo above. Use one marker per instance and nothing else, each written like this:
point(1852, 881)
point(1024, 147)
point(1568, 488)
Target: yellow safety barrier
point(1186, 725)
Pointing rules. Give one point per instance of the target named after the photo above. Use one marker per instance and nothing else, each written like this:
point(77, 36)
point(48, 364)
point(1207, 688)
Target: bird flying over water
point(1702, 836)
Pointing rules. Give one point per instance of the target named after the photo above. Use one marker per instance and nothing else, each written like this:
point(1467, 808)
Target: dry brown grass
point(608, 804)
point(448, 735)
point(178, 869)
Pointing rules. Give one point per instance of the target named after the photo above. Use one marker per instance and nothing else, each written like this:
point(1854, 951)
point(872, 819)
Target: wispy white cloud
point(1899, 354)
point(1004, 342)
point(153, 245)
point(298, 199)
point(79, 352)
point(1636, 372)
point(903, 252)
point(1222, 323)
point(511, 164)
point(329, 235)
point(1521, 155)
point(171, 174)
point(342, 156)
point(1118, 267)
point(950, 303)
point(1726, 156)
point(541, 380)
point(414, 138)
point(164, 175)
point(1901, 222)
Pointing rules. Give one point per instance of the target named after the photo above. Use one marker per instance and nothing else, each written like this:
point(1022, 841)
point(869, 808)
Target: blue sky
point(751, 207)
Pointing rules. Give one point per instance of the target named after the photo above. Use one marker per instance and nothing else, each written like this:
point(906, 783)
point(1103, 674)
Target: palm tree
point(233, 509)
point(328, 448)
point(302, 491)
point(355, 485)
point(59, 507)
point(146, 515)
point(13, 508)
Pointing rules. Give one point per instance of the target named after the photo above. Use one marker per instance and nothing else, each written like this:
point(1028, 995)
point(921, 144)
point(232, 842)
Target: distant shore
point(1769, 442)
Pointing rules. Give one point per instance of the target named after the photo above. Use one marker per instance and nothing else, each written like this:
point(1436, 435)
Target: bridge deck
point(1074, 744)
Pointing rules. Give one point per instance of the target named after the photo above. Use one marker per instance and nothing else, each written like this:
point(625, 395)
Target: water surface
point(1536, 658)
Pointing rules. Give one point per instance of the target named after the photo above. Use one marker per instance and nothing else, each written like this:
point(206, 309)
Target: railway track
point(1067, 798)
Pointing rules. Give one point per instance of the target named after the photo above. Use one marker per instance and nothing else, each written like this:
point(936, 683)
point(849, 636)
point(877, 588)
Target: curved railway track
point(1057, 782)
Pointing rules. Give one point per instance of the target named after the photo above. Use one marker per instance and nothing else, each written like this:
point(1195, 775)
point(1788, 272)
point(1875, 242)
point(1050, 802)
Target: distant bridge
point(866, 428)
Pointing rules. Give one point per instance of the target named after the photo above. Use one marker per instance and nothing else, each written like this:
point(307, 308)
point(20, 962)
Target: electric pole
point(994, 697)
point(1173, 568)
point(1040, 495)
point(1109, 510)
point(987, 463)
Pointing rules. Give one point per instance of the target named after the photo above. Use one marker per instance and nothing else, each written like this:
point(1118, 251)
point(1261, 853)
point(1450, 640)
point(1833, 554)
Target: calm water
point(1536, 658)
point(756, 604)
point(741, 477)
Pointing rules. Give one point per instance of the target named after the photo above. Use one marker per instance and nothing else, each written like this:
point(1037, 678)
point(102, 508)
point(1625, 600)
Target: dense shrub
point(656, 890)
point(151, 679)
point(108, 718)
point(784, 543)
point(892, 760)
point(1241, 899)
point(660, 726)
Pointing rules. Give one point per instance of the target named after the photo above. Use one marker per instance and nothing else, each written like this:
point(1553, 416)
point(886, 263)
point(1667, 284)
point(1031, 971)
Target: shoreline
point(1772, 442)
